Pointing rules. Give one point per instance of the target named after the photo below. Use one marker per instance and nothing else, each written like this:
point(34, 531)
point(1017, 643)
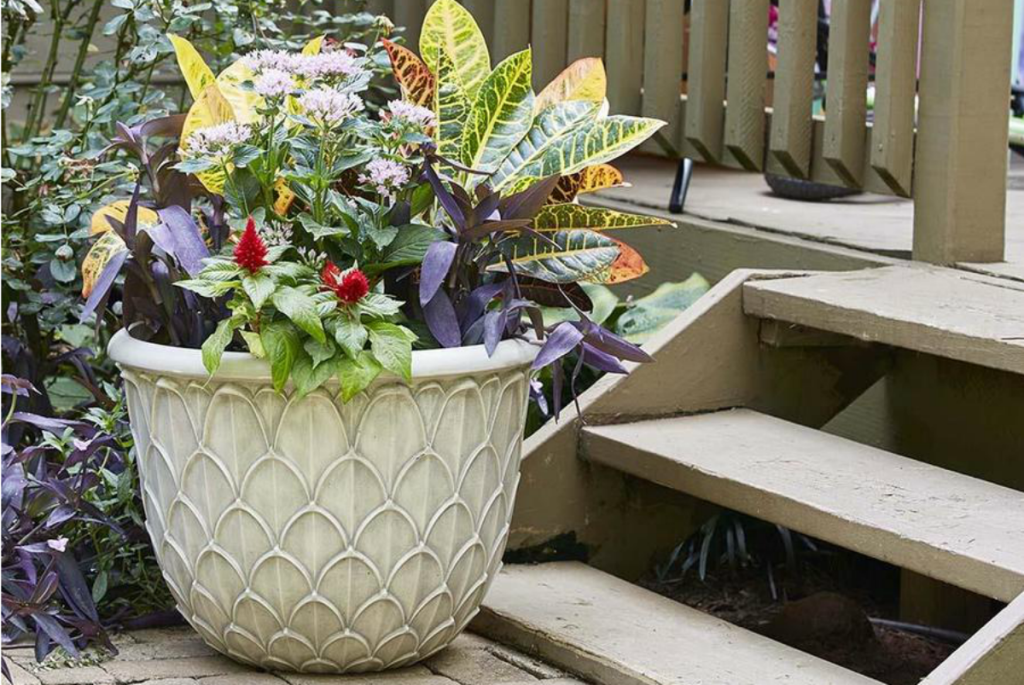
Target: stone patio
point(176, 656)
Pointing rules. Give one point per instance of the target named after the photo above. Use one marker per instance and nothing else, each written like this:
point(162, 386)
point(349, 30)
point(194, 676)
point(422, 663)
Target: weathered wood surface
point(948, 526)
point(705, 111)
point(663, 65)
point(511, 28)
point(995, 654)
point(586, 29)
point(615, 633)
point(624, 54)
point(847, 89)
point(748, 77)
point(548, 40)
point(791, 130)
point(937, 311)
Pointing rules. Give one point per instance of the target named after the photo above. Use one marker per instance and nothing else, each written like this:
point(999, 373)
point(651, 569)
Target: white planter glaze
point(311, 535)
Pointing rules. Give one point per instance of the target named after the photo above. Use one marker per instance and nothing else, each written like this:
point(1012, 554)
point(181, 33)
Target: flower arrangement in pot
point(331, 318)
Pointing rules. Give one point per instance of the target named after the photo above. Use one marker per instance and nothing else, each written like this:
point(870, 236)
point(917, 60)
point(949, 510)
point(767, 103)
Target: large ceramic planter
point(311, 535)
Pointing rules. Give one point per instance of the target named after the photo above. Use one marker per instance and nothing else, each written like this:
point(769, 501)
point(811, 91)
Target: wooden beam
point(794, 84)
point(550, 26)
point(892, 140)
point(705, 92)
point(748, 77)
point(624, 54)
point(961, 155)
point(663, 66)
point(846, 110)
point(511, 28)
point(586, 29)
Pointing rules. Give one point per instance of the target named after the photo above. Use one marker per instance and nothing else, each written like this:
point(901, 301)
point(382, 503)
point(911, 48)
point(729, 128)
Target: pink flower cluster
point(386, 176)
point(411, 114)
point(329, 64)
point(329, 106)
point(274, 83)
point(217, 140)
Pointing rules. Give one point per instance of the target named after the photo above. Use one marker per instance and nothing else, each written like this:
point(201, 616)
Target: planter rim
point(242, 366)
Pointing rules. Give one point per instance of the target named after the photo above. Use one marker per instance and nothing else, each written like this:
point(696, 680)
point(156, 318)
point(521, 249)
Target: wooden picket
point(892, 149)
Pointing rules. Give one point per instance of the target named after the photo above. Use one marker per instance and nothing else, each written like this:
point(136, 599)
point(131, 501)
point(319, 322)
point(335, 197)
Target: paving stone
point(475, 667)
point(76, 675)
point(250, 678)
point(171, 681)
point(194, 667)
point(163, 634)
point(534, 667)
point(414, 675)
point(167, 649)
point(19, 675)
point(471, 641)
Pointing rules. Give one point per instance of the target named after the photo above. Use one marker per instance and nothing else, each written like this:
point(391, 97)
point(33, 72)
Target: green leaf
point(547, 128)
point(408, 247)
point(252, 341)
point(259, 288)
point(355, 374)
point(319, 231)
point(301, 309)
point(648, 314)
point(309, 376)
point(568, 216)
point(449, 28)
point(379, 306)
point(319, 352)
point(99, 586)
point(351, 335)
point(214, 346)
point(501, 113)
point(392, 347)
point(220, 269)
point(578, 255)
point(211, 289)
point(281, 343)
point(451, 105)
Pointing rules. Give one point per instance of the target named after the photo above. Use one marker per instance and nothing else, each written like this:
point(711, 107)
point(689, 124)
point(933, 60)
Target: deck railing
point(938, 126)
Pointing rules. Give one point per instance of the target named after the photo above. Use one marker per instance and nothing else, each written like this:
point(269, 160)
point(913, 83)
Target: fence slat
point(409, 13)
point(792, 133)
point(549, 36)
point(380, 7)
point(960, 156)
point(483, 12)
point(511, 28)
point(846, 94)
point(663, 67)
point(709, 33)
point(748, 76)
point(624, 55)
point(892, 149)
point(586, 29)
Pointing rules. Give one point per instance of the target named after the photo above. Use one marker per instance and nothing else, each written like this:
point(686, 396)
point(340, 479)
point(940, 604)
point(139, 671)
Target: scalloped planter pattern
point(308, 535)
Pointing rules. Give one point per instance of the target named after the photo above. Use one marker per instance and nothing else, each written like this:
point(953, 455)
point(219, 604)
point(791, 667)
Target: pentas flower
point(218, 140)
point(274, 83)
point(329, 106)
point(251, 251)
point(411, 114)
point(261, 60)
point(349, 286)
point(385, 175)
point(327, 65)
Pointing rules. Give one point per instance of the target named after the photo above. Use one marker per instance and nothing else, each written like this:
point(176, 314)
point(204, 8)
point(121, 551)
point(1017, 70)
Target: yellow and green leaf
point(101, 252)
point(451, 105)
point(595, 142)
point(589, 180)
point(209, 109)
point(583, 80)
point(627, 266)
point(450, 28)
point(283, 197)
point(501, 113)
point(571, 216)
point(547, 129)
point(118, 210)
point(243, 101)
point(412, 74)
point(570, 256)
point(193, 67)
point(313, 46)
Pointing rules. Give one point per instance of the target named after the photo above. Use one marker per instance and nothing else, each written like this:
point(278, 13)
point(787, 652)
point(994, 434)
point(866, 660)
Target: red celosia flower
point(251, 251)
point(349, 286)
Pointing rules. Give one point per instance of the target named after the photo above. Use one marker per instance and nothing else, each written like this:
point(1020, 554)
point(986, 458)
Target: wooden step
point(615, 633)
point(949, 313)
point(945, 525)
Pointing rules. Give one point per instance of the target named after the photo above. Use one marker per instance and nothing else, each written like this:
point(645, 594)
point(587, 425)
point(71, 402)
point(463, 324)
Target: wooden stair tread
point(952, 527)
point(616, 633)
point(948, 313)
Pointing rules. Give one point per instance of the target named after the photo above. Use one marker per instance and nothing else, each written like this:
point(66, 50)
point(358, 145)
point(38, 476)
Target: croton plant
point(288, 219)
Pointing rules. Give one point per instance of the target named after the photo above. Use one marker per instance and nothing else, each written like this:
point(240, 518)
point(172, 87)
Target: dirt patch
point(819, 610)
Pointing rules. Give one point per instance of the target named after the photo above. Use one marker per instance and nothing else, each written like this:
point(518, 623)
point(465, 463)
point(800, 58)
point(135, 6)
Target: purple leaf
point(44, 422)
point(537, 395)
point(55, 632)
point(477, 302)
point(103, 284)
point(606, 341)
point(442, 321)
point(185, 239)
point(494, 326)
point(525, 204)
point(560, 342)
point(74, 588)
point(445, 198)
point(602, 361)
point(436, 263)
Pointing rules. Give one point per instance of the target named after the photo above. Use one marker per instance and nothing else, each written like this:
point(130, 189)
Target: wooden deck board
point(615, 633)
point(939, 523)
point(944, 312)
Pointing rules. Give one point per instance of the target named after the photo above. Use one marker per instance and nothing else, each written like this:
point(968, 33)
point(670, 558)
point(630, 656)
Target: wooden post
point(748, 74)
point(663, 66)
point(847, 89)
point(624, 54)
point(961, 155)
point(709, 32)
point(511, 28)
point(792, 130)
point(586, 29)
point(550, 24)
